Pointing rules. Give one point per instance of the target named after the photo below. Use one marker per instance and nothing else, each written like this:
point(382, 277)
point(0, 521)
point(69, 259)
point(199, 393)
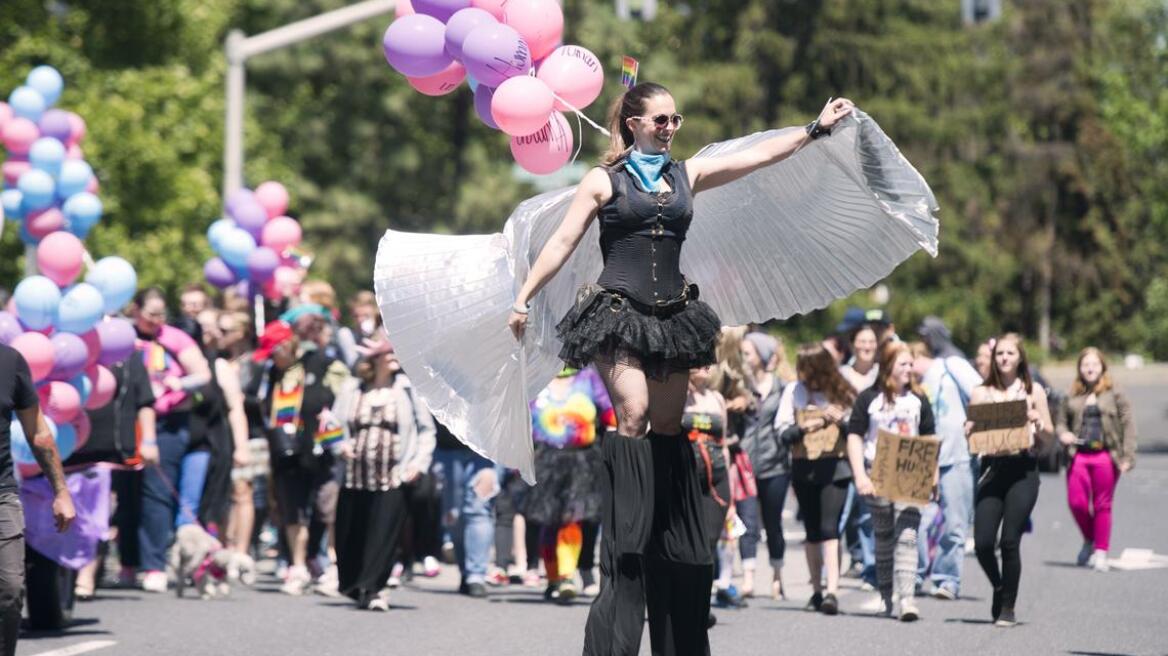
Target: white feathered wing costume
point(787, 239)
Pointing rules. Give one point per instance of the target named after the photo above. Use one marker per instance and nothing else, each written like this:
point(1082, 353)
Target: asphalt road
point(1063, 609)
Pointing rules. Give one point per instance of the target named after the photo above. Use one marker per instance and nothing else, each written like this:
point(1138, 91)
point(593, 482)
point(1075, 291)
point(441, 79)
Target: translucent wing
point(786, 239)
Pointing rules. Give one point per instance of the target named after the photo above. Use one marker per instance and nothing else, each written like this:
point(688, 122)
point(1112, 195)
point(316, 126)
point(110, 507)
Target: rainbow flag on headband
point(629, 68)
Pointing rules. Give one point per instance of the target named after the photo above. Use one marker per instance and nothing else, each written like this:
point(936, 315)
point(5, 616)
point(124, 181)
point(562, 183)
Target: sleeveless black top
point(641, 235)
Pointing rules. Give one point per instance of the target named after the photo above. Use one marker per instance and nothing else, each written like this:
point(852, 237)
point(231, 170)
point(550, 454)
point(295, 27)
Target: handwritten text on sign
point(999, 427)
point(824, 442)
point(904, 467)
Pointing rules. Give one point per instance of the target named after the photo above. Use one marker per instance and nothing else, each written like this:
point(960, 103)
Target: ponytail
point(628, 104)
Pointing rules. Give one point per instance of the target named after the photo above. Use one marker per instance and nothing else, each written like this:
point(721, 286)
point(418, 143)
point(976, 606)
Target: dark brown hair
point(819, 373)
point(631, 103)
point(995, 378)
point(884, 380)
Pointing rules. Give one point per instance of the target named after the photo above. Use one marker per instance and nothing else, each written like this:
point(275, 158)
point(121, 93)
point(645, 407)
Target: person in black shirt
point(19, 396)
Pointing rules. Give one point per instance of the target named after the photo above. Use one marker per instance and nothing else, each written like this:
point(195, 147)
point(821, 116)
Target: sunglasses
point(661, 120)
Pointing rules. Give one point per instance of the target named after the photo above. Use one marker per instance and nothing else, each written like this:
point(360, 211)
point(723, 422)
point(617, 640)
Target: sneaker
point(448, 554)
point(815, 602)
point(945, 591)
point(729, 598)
point(589, 586)
point(531, 578)
point(854, 570)
point(328, 584)
point(378, 602)
point(496, 577)
point(1084, 558)
point(395, 576)
point(477, 590)
point(908, 611)
point(879, 605)
point(867, 587)
point(1006, 619)
point(297, 582)
point(567, 591)
point(1100, 561)
point(830, 605)
point(431, 567)
point(154, 581)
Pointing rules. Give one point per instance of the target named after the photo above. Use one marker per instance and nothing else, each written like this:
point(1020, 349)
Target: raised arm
point(594, 191)
point(709, 172)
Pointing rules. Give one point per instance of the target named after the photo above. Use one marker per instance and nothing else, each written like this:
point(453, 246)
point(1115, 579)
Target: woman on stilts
point(643, 328)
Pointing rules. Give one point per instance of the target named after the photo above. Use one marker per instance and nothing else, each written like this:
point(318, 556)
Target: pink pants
point(1091, 481)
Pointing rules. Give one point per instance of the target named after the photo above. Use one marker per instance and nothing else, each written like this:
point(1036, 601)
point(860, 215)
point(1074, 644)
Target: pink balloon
point(545, 151)
point(522, 105)
point(42, 223)
point(574, 74)
point(37, 351)
point(19, 135)
point(92, 345)
point(28, 470)
point(442, 83)
point(84, 429)
point(59, 257)
point(74, 151)
point(5, 114)
point(539, 22)
point(77, 129)
point(495, 7)
point(104, 387)
point(403, 8)
point(93, 186)
point(13, 168)
point(273, 197)
point(281, 233)
point(60, 401)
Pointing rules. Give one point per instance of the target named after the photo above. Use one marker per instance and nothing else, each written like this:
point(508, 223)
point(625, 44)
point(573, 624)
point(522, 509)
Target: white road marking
point(79, 648)
point(1133, 559)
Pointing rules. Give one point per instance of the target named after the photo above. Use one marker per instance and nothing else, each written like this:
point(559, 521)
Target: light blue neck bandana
point(647, 169)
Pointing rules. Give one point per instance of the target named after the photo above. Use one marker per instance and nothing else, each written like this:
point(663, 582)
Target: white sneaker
point(909, 611)
point(1100, 561)
point(430, 567)
point(378, 603)
point(878, 605)
point(1084, 558)
point(297, 582)
point(154, 581)
point(395, 576)
point(328, 584)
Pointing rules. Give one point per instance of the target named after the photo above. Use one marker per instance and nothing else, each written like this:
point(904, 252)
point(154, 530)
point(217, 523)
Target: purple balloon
point(440, 9)
point(482, 100)
point(261, 264)
point(10, 327)
point(117, 341)
point(494, 53)
point(415, 45)
point(251, 216)
point(218, 273)
point(236, 198)
point(461, 24)
point(55, 123)
point(69, 356)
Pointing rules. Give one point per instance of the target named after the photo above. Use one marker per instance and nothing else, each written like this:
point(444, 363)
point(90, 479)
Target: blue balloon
point(80, 309)
point(47, 154)
point(84, 387)
point(38, 188)
point(73, 178)
point(117, 281)
point(13, 202)
point(47, 81)
point(21, 450)
point(37, 299)
point(217, 230)
point(26, 237)
point(66, 440)
point(82, 211)
point(27, 102)
point(234, 247)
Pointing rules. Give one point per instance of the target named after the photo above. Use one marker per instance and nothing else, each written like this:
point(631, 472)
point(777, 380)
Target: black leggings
point(1006, 495)
point(821, 504)
point(772, 494)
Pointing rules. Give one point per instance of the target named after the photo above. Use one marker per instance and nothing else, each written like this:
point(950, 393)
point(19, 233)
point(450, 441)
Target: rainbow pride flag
point(629, 68)
point(328, 436)
point(286, 405)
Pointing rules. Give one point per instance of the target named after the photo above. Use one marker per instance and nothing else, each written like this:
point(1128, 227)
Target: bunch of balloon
point(256, 245)
point(510, 54)
point(48, 185)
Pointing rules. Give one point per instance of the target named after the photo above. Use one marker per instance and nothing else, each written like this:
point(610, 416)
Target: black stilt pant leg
point(617, 617)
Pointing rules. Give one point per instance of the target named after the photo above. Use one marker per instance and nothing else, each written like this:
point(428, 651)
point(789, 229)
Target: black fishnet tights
point(641, 402)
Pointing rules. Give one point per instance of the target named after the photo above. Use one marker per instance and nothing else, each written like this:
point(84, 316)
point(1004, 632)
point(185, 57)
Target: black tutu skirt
point(568, 487)
point(662, 340)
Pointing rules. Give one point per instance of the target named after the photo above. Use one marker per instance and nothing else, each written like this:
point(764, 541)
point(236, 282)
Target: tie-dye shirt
point(569, 420)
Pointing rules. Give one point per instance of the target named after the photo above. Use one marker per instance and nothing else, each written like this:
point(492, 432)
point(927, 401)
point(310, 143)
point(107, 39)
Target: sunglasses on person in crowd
point(661, 120)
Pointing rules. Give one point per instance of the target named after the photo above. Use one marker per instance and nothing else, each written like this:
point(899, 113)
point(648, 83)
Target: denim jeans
point(867, 538)
point(473, 532)
point(178, 471)
point(956, 506)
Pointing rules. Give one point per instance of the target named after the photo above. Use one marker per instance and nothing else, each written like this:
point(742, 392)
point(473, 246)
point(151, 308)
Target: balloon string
point(581, 115)
point(579, 139)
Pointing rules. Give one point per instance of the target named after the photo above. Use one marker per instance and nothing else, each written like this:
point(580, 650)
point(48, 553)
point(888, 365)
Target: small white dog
point(201, 558)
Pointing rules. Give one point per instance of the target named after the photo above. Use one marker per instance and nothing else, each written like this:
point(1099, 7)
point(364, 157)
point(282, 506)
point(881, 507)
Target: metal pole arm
point(310, 27)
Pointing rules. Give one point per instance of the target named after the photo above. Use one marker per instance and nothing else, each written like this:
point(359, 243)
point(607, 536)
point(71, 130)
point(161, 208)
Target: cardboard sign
point(825, 442)
point(999, 427)
point(904, 466)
